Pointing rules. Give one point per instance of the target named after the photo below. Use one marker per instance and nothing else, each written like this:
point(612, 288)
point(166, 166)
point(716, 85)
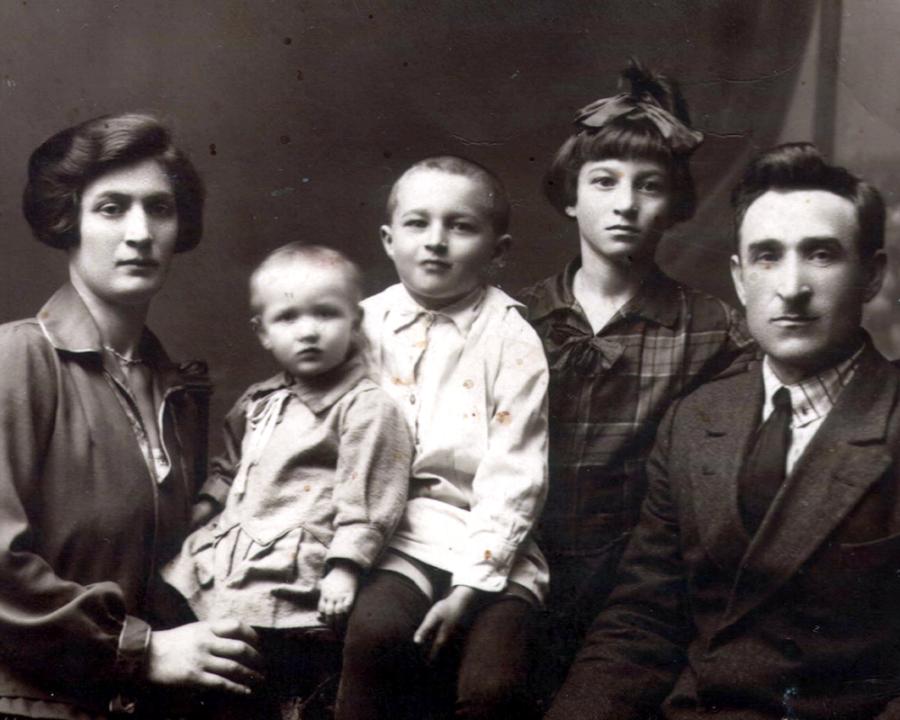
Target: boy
point(471, 377)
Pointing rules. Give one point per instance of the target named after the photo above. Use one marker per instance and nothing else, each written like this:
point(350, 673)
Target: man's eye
point(822, 256)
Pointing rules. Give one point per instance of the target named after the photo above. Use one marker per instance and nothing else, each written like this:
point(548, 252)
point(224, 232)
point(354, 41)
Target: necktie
point(763, 471)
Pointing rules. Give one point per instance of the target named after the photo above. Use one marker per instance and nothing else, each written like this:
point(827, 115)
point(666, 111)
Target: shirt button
point(412, 399)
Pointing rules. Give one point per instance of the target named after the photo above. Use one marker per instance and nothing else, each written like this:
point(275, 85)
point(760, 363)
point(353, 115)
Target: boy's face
point(622, 208)
point(441, 237)
point(308, 317)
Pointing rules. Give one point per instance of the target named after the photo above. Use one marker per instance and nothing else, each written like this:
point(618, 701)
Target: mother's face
point(128, 228)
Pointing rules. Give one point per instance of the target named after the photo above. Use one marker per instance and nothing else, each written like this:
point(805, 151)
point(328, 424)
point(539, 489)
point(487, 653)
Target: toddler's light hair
point(299, 253)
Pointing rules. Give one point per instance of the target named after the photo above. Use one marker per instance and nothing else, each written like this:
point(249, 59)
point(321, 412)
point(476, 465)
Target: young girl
point(315, 470)
point(622, 338)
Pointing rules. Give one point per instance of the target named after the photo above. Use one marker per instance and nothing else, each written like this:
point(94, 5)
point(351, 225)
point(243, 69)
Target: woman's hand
point(338, 592)
point(444, 617)
point(216, 655)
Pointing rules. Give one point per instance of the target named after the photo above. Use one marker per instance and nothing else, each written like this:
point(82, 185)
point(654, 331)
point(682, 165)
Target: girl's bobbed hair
point(60, 169)
point(648, 122)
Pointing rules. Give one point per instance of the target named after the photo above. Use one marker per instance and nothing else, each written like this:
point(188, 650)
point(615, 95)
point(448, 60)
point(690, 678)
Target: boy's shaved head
point(494, 191)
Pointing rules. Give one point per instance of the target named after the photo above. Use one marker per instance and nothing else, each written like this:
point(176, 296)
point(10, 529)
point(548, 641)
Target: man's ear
point(876, 267)
point(387, 240)
point(257, 327)
point(737, 277)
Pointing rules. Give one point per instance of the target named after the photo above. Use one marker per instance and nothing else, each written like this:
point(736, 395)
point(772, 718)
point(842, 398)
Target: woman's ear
point(570, 211)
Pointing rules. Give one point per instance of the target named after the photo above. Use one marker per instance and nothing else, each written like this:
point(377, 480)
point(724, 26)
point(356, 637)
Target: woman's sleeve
point(223, 468)
point(510, 484)
point(77, 635)
point(372, 477)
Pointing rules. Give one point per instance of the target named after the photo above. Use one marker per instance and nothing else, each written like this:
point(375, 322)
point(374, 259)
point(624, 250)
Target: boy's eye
point(415, 223)
point(463, 226)
point(326, 312)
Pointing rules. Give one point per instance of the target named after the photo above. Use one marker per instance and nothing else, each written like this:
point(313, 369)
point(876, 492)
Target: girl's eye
point(652, 186)
point(603, 181)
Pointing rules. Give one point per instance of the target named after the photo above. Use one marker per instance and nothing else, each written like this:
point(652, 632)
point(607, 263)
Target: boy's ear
point(257, 327)
point(501, 250)
point(387, 240)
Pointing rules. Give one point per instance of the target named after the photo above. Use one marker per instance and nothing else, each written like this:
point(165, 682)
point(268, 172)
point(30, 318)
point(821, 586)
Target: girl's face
point(622, 208)
point(128, 227)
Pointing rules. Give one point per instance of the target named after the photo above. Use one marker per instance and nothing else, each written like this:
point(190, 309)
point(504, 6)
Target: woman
point(102, 439)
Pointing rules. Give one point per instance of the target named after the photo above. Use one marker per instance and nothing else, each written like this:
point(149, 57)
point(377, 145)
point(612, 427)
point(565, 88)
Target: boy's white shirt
point(472, 381)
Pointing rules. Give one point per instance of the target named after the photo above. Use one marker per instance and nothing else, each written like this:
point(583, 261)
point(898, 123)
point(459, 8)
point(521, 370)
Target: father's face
point(801, 280)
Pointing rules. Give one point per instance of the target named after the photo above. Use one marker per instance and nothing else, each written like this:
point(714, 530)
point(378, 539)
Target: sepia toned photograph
point(454, 359)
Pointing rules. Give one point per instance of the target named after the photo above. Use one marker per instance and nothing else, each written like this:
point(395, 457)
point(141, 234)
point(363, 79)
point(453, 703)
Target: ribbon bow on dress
point(584, 352)
point(681, 138)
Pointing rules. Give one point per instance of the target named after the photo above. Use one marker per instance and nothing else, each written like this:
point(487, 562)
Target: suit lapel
point(727, 421)
point(845, 457)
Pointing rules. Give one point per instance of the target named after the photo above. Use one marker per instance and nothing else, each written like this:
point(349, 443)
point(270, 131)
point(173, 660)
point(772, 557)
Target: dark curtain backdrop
point(301, 114)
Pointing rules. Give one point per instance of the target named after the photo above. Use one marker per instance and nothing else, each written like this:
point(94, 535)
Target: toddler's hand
point(338, 592)
point(204, 510)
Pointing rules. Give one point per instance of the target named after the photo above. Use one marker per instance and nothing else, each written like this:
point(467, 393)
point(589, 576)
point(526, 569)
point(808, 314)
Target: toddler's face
point(441, 237)
point(308, 317)
point(622, 207)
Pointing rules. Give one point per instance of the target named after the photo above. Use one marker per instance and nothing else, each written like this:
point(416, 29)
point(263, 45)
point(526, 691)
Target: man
point(763, 580)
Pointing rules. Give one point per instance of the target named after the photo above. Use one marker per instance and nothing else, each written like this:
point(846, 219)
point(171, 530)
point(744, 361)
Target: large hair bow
point(681, 138)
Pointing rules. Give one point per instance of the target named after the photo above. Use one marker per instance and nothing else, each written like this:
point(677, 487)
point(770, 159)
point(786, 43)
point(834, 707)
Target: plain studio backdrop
point(301, 114)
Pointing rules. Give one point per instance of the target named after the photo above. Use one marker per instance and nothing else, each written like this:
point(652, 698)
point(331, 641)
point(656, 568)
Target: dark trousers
point(579, 588)
point(485, 674)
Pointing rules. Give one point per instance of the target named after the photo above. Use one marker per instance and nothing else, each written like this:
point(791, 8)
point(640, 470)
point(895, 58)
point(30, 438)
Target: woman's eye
point(463, 227)
point(110, 209)
point(162, 209)
point(603, 181)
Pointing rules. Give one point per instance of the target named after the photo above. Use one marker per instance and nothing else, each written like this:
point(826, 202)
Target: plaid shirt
point(608, 393)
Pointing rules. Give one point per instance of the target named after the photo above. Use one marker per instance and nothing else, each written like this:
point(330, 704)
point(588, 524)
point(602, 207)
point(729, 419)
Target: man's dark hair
point(800, 166)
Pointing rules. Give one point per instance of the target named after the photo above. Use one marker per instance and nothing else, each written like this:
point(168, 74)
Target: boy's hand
point(444, 617)
point(338, 592)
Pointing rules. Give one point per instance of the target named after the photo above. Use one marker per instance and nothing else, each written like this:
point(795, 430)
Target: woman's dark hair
point(800, 166)
point(627, 137)
point(60, 169)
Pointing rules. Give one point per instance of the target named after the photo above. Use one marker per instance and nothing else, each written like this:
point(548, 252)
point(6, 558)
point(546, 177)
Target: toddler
point(315, 472)
point(471, 377)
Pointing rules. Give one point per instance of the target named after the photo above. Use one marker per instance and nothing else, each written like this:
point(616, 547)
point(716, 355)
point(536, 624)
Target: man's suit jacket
point(800, 621)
